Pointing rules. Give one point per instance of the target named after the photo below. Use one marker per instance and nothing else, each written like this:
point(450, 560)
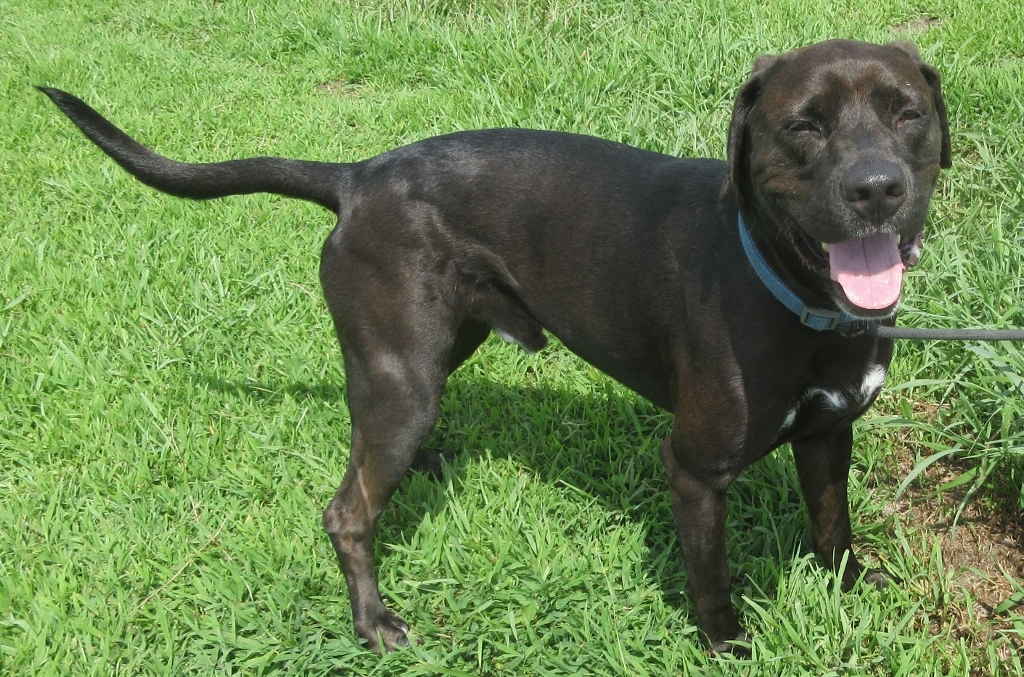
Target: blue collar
point(818, 319)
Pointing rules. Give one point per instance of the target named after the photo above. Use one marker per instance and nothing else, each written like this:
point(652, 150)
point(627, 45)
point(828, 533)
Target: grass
point(173, 421)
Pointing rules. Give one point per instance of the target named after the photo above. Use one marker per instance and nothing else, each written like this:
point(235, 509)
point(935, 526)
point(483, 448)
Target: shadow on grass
point(604, 443)
point(328, 392)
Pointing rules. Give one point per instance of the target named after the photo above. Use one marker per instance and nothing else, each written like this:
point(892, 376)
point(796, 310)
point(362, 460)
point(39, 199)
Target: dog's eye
point(908, 115)
point(802, 127)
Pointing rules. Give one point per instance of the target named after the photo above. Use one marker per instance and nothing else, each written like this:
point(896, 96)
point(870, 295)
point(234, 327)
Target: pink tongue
point(868, 269)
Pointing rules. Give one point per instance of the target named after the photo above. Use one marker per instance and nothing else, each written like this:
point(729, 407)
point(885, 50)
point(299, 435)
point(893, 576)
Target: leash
point(820, 319)
point(920, 334)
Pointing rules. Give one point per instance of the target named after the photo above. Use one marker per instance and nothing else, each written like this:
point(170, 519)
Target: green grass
point(172, 414)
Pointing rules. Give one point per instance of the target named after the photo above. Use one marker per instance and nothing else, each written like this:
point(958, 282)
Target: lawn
point(172, 403)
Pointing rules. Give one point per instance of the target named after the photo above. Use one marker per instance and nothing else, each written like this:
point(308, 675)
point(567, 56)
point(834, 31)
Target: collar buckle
point(822, 320)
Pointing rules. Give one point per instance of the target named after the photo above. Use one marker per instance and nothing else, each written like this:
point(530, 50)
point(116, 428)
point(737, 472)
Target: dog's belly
point(609, 343)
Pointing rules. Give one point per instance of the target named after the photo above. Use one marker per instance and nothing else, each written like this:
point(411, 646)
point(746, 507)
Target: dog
point(737, 295)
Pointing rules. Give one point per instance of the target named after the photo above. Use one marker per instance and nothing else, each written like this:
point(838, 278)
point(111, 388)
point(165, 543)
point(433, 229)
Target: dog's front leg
point(698, 506)
point(823, 464)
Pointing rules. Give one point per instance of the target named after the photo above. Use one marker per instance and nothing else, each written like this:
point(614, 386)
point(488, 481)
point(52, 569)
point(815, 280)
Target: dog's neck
point(819, 319)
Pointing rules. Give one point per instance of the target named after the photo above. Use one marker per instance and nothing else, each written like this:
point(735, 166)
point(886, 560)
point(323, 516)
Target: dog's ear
point(745, 100)
point(931, 76)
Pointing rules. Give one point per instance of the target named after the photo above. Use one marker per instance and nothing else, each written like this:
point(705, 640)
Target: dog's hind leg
point(397, 333)
point(393, 400)
point(471, 334)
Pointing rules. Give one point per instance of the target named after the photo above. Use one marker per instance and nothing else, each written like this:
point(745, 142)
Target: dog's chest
point(826, 401)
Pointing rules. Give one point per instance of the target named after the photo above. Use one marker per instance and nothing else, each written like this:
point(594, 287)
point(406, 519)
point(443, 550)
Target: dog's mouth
point(868, 270)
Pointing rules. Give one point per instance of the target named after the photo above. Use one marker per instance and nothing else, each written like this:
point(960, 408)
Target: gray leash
point(948, 334)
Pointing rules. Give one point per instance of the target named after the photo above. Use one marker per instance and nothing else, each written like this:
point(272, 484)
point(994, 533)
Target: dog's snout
point(875, 190)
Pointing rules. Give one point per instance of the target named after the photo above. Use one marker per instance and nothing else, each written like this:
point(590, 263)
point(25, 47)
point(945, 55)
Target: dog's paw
point(878, 578)
point(739, 646)
point(385, 633)
point(431, 462)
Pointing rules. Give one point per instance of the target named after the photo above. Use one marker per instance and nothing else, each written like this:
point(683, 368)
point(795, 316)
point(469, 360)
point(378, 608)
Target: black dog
point(735, 295)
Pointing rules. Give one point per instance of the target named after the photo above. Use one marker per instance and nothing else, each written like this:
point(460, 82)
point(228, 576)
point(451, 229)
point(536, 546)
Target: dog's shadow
point(604, 443)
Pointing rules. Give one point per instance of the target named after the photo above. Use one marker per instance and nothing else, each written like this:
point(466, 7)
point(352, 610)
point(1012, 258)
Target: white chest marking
point(838, 401)
point(872, 383)
point(834, 399)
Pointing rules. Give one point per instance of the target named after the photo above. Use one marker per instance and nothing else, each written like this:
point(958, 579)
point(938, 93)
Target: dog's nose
point(875, 190)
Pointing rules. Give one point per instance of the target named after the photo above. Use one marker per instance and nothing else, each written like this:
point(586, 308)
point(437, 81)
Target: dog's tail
point(314, 181)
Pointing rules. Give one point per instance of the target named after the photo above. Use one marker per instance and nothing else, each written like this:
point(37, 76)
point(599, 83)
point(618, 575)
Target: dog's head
point(836, 147)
